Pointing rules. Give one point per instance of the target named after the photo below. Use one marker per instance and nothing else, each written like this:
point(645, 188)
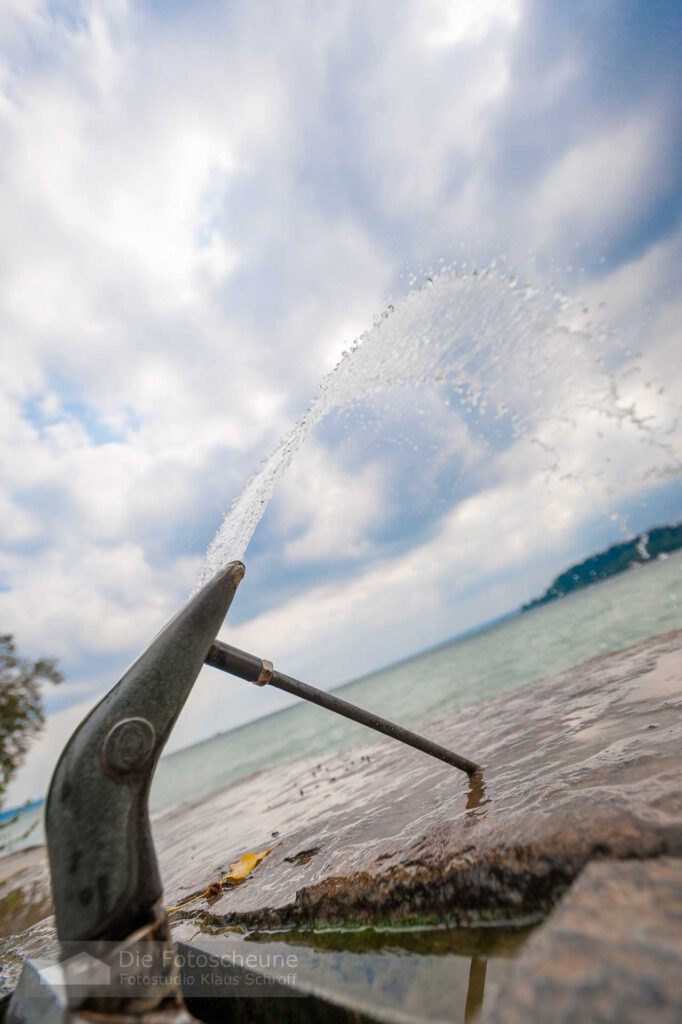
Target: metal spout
point(105, 876)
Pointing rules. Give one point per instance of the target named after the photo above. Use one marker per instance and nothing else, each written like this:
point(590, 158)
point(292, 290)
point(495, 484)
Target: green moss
point(417, 940)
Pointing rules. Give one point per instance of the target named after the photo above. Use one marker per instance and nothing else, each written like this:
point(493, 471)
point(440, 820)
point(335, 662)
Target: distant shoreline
point(28, 806)
point(645, 547)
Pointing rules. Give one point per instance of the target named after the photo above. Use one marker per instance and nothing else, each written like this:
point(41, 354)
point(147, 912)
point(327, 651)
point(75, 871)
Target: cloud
point(449, 24)
point(621, 168)
point(331, 511)
point(90, 599)
point(532, 520)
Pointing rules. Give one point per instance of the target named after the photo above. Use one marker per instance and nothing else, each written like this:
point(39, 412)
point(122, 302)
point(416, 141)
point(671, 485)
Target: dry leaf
point(243, 867)
point(237, 873)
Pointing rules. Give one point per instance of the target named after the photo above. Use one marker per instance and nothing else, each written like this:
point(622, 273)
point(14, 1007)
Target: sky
point(203, 205)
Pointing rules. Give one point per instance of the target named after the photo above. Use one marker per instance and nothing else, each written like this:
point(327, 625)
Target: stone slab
point(581, 766)
point(585, 764)
point(611, 953)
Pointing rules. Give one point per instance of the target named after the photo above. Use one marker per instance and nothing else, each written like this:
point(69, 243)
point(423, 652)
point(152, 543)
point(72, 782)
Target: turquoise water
point(531, 645)
point(607, 617)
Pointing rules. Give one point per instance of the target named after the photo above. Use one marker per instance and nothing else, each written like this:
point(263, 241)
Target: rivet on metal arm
point(265, 674)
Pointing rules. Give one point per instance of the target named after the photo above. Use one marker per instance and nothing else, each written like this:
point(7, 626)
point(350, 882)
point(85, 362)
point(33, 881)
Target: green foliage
point(21, 705)
point(662, 540)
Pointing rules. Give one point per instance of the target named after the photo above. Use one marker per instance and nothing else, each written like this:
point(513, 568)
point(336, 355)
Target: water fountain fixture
point(106, 884)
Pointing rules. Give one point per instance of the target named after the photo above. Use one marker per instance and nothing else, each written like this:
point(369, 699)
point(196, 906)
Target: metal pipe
point(257, 670)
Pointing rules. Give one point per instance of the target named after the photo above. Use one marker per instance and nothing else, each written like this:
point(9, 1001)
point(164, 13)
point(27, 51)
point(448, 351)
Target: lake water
point(612, 615)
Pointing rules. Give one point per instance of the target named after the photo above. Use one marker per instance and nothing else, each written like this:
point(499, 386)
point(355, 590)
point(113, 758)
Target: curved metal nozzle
point(105, 877)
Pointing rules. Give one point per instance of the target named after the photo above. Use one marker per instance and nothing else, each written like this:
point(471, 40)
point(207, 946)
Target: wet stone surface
point(611, 951)
point(586, 764)
point(581, 766)
point(25, 896)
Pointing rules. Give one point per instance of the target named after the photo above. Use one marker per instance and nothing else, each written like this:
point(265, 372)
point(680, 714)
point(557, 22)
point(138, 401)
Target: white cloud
point(90, 599)
point(600, 185)
point(449, 22)
point(331, 511)
point(524, 525)
point(429, 108)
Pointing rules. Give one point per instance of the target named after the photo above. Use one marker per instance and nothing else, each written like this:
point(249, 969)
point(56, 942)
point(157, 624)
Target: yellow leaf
point(243, 867)
point(237, 873)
